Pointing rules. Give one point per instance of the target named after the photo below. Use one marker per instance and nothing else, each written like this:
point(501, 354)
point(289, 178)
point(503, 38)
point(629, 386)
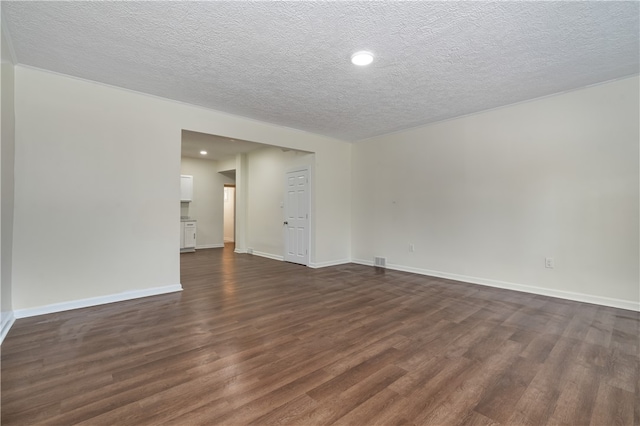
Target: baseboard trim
point(7, 323)
point(325, 264)
point(568, 295)
point(229, 240)
point(208, 246)
point(240, 251)
point(362, 262)
point(95, 301)
point(268, 255)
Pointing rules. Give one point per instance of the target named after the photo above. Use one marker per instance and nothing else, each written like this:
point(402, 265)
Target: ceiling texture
point(288, 63)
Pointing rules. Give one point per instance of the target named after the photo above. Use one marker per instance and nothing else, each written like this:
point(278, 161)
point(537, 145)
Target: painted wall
point(485, 198)
point(229, 214)
point(97, 187)
point(207, 206)
point(7, 154)
point(226, 164)
point(266, 175)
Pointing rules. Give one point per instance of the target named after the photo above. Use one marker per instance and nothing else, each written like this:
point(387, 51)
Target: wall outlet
point(549, 262)
point(412, 248)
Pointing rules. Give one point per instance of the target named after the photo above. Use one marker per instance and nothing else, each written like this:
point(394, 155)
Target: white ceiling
point(288, 62)
point(217, 147)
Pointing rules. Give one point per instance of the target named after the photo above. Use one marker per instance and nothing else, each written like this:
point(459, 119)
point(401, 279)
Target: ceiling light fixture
point(362, 58)
point(203, 152)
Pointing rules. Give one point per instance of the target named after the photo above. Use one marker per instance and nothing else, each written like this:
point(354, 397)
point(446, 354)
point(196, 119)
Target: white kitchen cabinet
point(188, 236)
point(186, 188)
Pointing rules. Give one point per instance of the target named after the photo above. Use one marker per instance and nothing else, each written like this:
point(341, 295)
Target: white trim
point(95, 301)
point(363, 262)
point(208, 246)
point(240, 251)
point(268, 255)
point(329, 263)
point(569, 295)
point(229, 240)
point(7, 323)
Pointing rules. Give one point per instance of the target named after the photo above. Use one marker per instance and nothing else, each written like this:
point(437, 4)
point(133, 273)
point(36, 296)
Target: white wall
point(97, 187)
point(266, 176)
point(226, 164)
point(485, 198)
point(207, 206)
point(7, 154)
point(229, 214)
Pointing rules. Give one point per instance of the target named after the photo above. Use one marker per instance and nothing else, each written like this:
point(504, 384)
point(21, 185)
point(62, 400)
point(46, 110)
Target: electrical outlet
point(412, 248)
point(549, 262)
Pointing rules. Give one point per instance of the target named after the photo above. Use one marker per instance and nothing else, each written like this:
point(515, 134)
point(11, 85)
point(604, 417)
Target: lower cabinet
point(188, 236)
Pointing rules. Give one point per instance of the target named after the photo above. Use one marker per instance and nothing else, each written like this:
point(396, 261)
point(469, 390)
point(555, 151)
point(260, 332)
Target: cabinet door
point(181, 235)
point(186, 188)
point(189, 235)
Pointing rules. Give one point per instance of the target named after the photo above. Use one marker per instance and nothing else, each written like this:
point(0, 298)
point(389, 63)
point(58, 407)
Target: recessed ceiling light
point(203, 152)
point(362, 58)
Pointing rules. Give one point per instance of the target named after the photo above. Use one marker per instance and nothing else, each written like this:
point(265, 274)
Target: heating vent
point(380, 262)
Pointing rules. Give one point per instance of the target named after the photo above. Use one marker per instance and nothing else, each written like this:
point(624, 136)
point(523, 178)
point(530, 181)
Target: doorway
point(229, 215)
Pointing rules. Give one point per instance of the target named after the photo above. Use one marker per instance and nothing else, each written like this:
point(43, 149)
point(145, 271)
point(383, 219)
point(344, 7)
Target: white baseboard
point(268, 255)
point(362, 262)
point(95, 301)
point(329, 263)
point(208, 246)
point(578, 297)
point(229, 240)
point(8, 318)
point(259, 253)
point(311, 265)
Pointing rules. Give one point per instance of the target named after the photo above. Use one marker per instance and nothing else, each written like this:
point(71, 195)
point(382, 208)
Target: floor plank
point(257, 341)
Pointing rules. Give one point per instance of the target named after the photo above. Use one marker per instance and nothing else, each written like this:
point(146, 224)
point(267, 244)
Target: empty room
point(305, 213)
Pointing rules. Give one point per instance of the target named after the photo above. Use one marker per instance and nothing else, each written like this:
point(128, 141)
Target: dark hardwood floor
point(257, 341)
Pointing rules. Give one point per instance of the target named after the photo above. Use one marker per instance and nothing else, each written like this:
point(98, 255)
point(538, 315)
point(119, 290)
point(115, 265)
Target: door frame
point(310, 200)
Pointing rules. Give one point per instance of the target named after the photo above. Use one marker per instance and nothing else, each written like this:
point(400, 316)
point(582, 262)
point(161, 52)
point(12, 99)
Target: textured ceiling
point(288, 62)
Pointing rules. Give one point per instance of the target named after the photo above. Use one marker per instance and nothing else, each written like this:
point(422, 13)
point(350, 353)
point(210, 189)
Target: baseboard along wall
point(577, 297)
point(95, 301)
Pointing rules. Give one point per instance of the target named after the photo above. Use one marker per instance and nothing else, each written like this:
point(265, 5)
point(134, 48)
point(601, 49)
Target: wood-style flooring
point(257, 341)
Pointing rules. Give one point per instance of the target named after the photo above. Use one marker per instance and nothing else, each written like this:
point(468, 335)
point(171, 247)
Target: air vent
point(380, 262)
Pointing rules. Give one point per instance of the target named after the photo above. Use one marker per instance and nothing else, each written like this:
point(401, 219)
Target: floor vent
point(380, 262)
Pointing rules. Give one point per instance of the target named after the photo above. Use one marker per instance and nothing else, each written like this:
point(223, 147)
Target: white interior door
point(296, 222)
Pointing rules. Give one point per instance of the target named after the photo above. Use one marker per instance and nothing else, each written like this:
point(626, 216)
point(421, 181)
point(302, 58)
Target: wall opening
point(229, 213)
